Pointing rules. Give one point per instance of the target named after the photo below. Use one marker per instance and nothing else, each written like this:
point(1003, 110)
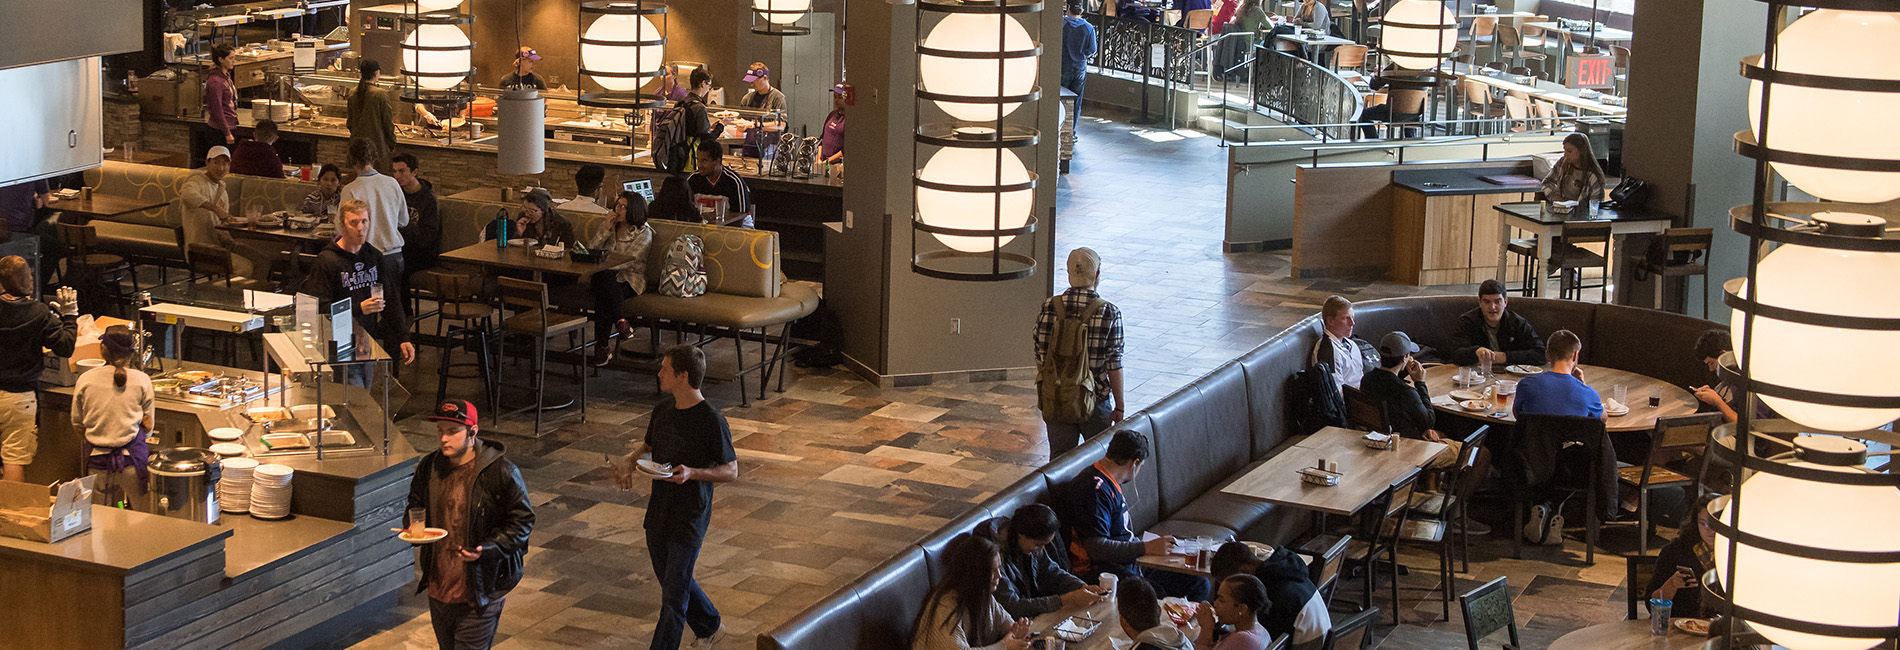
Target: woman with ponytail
point(369, 114)
point(112, 408)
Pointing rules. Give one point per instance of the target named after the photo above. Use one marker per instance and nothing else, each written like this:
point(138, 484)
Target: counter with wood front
point(1445, 230)
point(144, 581)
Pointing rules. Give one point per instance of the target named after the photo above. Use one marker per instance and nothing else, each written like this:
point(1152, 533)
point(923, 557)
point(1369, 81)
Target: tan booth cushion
point(795, 301)
point(152, 234)
point(738, 261)
point(267, 194)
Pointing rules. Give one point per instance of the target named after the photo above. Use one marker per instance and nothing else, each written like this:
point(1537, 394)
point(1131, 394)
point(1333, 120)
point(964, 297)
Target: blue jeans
point(682, 604)
point(1075, 82)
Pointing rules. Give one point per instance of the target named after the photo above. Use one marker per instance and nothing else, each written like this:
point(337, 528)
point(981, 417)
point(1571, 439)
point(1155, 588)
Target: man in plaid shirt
point(1104, 350)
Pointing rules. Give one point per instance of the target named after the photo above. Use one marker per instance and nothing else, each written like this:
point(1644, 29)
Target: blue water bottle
point(1659, 616)
point(501, 232)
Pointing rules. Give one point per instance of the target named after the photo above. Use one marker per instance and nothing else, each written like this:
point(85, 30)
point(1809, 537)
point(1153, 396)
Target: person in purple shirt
point(831, 142)
point(19, 203)
point(221, 92)
point(257, 156)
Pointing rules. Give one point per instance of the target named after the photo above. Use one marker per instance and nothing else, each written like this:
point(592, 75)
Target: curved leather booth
point(1214, 429)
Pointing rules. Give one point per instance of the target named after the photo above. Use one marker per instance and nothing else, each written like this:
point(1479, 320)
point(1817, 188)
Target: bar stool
point(536, 321)
point(210, 263)
point(1683, 253)
point(473, 328)
point(94, 270)
point(1569, 259)
point(1527, 249)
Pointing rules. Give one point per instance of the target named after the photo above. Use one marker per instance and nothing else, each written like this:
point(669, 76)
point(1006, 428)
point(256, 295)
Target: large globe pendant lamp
point(974, 194)
point(431, 6)
point(1808, 551)
point(1418, 34)
point(437, 56)
point(621, 48)
point(780, 17)
point(1822, 121)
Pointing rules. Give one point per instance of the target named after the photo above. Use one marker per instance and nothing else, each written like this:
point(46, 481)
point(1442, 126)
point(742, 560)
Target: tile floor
point(837, 474)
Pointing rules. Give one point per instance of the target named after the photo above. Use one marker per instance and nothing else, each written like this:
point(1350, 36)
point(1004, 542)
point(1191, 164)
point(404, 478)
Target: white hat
point(217, 151)
point(1085, 267)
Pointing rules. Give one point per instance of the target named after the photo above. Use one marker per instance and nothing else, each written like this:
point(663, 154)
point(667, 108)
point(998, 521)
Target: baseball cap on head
point(756, 71)
point(528, 53)
point(219, 150)
point(459, 411)
point(1396, 345)
point(1085, 267)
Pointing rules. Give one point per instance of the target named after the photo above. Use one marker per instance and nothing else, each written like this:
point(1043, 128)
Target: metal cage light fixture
point(437, 55)
point(621, 48)
point(973, 193)
point(1418, 34)
point(1808, 548)
point(780, 17)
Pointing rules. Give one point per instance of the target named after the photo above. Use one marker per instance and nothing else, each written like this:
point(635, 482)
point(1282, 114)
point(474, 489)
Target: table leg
point(1547, 251)
point(1504, 247)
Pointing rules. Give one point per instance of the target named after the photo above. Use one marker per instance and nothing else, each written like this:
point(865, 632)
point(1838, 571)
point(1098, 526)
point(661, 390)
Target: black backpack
point(1314, 401)
point(670, 143)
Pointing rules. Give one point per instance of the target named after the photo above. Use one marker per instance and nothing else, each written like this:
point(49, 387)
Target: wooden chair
point(1685, 254)
point(463, 319)
point(1483, 37)
point(1365, 413)
point(1200, 19)
point(1510, 42)
point(1280, 642)
point(536, 321)
point(1354, 633)
point(1407, 106)
point(1570, 259)
point(1476, 102)
point(1518, 112)
point(1487, 609)
point(1548, 119)
point(1539, 440)
point(1474, 462)
point(1620, 65)
point(1350, 56)
point(1672, 436)
point(1637, 570)
point(1326, 556)
point(1382, 535)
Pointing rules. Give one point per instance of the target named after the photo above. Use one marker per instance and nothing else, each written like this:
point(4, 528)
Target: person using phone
point(1680, 564)
point(960, 611)
point(1399, 384)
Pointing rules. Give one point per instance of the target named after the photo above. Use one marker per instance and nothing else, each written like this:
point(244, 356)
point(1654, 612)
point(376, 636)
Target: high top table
point(1536, 218)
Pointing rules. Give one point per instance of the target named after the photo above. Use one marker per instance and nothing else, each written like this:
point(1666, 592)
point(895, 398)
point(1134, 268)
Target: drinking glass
point(376, 290)
point(1655, 397)
point(1484, 366)
point(129, 148)
point(1621, 394)
point(418, 519)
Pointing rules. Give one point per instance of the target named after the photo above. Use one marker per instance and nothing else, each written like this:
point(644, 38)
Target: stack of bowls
point(270, 492)
point(234, 488)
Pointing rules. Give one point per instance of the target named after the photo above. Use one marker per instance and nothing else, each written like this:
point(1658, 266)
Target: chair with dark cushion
point(1487, 609)
point(1354, 633)
point(1539, 441)
point(1326, 557)
point(1670, 437)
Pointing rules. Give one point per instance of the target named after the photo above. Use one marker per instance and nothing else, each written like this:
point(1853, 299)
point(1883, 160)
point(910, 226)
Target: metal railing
point(1306, 93)
point(1127, 45)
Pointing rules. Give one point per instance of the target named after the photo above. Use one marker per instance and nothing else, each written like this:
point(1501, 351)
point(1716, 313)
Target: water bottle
point(1659, 616)
point(501, 232)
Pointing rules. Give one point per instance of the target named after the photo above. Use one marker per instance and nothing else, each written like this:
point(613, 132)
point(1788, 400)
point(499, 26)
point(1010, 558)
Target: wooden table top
point(1626, 635)
point(1563, 96)
point(105, 205)
point(520, 257)
point(305, 236)
point(1368, 472)
point(1109, 635)
point(1178, 562)
point(1676, 400)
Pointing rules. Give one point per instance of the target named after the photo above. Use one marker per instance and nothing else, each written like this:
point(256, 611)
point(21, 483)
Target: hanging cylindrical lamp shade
point(780, 17)
point(437, 56)
point(622, 46)
point(1418, 34)
point(973, 192)
point(1825, 121)
point(521, 115)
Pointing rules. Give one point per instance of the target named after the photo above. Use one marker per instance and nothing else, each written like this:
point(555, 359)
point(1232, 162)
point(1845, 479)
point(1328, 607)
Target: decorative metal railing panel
point(1304, 92)
point(1126, 45)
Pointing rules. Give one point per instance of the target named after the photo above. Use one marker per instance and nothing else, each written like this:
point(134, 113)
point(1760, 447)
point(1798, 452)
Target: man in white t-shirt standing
point(388, 209)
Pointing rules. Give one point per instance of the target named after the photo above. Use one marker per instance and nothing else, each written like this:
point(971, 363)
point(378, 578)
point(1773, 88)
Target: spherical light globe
point(437, 5)
point(1826, 359)
point(622, 58)
point(977, 77)
point(437, 60)
point(1418, 40)
point(973, 210)
point(1821, 515)
point(1855, 44)
point(778, 7)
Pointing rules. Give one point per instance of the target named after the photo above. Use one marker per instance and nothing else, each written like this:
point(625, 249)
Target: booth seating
point(1205, 434)
point(156, 236)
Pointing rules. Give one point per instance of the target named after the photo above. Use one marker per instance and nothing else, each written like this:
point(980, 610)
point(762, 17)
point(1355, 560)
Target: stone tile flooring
point(837, 474)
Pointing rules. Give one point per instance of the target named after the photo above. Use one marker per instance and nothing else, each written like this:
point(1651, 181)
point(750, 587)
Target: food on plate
point(1696, 626)
point(1179, 611)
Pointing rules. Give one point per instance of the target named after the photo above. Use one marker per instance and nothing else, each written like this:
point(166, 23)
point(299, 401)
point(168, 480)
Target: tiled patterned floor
point(836, 474)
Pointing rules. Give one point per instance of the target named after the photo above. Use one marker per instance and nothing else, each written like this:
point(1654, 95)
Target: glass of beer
point(1505, 389)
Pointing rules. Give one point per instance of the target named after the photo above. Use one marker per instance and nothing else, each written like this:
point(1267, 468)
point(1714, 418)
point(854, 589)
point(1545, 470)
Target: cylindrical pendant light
point(780, 17)
point(521, 116)
point(621, 47)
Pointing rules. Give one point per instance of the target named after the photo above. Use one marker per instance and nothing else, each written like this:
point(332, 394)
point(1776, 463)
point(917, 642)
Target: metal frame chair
point(1354, 633)
point(1486, 610)
point(1672, 434)
point(537, 321)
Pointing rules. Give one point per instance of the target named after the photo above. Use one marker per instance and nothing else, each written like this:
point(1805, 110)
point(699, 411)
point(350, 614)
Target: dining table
point(304, 240)
point(1536, 89)
point(1602, 33)
point(1366, 472)
point(523, 258)
point(1627, 635)
point(104, 206)
point(1107, 635)
point(1540, 219)
point(1441, 380)
point(1182, 560)
point(1311, 44)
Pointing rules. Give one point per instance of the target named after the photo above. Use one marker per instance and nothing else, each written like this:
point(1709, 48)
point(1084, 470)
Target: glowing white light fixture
point(1418, 34)
point(438, 56)
point(780, 17)
point(974, 208)
point(430, 6)
point(620, 49)
point(1836, 122)
point(1013, 61)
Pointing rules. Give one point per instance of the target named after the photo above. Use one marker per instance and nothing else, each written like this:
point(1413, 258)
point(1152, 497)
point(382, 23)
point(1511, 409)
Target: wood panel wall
point(1343, 222)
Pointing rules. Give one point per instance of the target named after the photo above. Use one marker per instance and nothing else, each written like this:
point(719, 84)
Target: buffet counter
point(148, 581)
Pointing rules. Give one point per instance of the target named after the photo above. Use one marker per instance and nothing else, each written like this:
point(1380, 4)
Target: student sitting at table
point(1314, 15)
point(1297, 610)
point(1494, 332)
point(674, 202)
point(1239, 602)
point(714, 178)
point(328, 195)
point(538, 221)
point(1576, 176)
point(1717, 395)
point(960, 612)
point(623, 232)
point(1679, 566)
point(1349, 355)
point(1137, 10)
point(1561, 391)
point(1139, 613)
point(1399, 384)
point(1034, 580)
point(1094, 513)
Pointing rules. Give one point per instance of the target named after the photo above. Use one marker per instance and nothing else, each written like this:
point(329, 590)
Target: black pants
point(464, 626)
point(682, 603)
point(609, 294)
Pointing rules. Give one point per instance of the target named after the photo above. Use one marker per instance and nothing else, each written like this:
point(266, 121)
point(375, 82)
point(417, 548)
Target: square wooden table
point(1367, 472)
point(523, 258)
point(1536, 218)
point(103, 206)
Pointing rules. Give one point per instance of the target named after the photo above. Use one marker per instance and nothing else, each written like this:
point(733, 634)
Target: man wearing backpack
point(675, 129)
point(1079, 358)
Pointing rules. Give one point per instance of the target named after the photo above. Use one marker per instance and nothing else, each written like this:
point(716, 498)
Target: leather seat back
point(1431, 322)
point(888, 599)
point(144, 182)
point(1268, 369)
point(1201, 436)
point(464, 220)
point(266, 194)
point(738, 261)
point(1656, 343)
point(837, 621)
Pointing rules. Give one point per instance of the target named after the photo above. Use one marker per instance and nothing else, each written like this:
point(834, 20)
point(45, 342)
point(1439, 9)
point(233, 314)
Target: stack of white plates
point(270, 492)
point(234, 487)
point(225, 434)
point(228, 449)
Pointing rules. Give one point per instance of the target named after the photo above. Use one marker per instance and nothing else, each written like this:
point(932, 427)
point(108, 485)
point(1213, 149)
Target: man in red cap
point(476, 495)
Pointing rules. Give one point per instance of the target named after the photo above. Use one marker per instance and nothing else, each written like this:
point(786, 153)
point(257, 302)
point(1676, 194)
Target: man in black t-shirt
point(714, 178)
point(691, 440)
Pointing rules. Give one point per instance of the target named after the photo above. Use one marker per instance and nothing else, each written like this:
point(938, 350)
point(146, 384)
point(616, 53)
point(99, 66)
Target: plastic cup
point(1108, 582)
point(376, 290)
point(1621, 394)
point(1659, 616)
point(418, 519)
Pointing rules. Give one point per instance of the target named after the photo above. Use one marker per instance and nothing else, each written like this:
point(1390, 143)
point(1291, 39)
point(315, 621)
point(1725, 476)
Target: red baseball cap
point(459, 411)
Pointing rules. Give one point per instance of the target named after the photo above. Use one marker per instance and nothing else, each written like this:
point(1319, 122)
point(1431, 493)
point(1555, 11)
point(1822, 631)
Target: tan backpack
point(1065, 383)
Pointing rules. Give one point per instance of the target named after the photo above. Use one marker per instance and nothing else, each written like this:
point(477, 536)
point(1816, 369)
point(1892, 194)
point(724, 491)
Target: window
point(1625, 7)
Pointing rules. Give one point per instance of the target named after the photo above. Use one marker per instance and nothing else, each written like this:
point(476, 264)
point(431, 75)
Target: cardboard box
point(65, 372)
point(179, 97)
point(25, 512)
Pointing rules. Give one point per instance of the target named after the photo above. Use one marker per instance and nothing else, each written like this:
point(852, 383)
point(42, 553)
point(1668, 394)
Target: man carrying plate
point(688, 448)
point(477, 495)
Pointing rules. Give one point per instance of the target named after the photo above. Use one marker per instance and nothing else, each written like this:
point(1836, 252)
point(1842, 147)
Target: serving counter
point(139, 580)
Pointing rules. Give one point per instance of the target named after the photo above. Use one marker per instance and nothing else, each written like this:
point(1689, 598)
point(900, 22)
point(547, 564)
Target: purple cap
point(756, 72)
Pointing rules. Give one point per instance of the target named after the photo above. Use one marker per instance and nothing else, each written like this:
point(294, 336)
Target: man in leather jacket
point(477, 495)
point(1496, 332)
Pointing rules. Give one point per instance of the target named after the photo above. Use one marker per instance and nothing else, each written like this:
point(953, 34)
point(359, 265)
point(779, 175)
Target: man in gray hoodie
point(1141, 620)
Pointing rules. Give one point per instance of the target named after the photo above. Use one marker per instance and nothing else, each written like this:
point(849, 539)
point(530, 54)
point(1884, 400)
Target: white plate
point(228, 449)
point(1464, 395)
point(1524, 370)
point(1475, 405)
point(650, 468)
point(1616, 412)
point(225, 434)
point(429, 536)
point(242, 466)
point(1695, 626)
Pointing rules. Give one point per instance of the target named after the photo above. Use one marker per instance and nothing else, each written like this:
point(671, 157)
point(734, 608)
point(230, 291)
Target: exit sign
point(1590, 71)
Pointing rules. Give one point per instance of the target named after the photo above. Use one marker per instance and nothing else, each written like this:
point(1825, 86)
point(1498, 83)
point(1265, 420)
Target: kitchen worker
point(27, 325)
point(762, 96)
point(221, 92)
point(831, 141)
point(524, 76)
point(370, 115)
point(113, 409)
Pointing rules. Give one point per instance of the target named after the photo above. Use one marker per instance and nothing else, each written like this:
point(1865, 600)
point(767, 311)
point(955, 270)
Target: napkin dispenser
point(1381, 441)
point(1319, 476)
